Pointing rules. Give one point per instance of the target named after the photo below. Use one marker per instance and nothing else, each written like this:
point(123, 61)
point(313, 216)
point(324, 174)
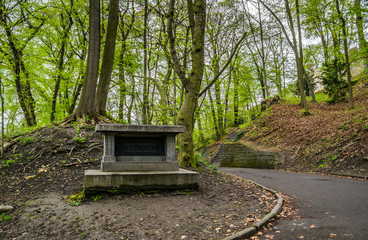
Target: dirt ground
point(44, 168)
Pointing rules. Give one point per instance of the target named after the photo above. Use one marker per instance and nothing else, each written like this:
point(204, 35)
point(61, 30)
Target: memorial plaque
point(139, 146)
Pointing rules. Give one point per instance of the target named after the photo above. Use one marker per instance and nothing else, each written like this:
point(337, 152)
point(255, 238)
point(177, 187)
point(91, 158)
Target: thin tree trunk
point(215, 122)
point(310, 86)
point(236, 100)
point(342, 19)
point(174, 98)
point(227, 96)
point(293, 45)
point(220, 117)
point(264, 74)
point(129, 115)
point(299, 60)
point(60, 68)
point(145, 66)
point(2, 119)
point(200, 128)
point(363, 44)
point(122, 79)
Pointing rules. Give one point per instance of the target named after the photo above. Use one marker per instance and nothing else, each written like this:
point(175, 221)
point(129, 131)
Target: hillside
point(42, 178)
point(332, 139)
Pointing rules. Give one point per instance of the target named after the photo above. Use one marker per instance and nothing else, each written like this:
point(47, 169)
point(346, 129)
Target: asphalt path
point(329, 207)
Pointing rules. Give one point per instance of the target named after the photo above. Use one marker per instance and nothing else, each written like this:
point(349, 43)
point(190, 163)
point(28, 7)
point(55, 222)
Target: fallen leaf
point(29, 177)
point(313, 226)
point(301, 237)
point(333, 235)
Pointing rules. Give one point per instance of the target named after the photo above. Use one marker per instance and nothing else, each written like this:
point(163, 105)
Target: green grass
point(294, 100)
point(322, 97)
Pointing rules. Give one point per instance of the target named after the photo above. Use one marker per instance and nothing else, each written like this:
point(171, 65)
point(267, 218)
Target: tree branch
point(176, 64)
point(225, 66)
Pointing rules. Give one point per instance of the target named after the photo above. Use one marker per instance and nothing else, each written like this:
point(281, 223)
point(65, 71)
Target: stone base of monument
point(139, 157)
point(99, 181)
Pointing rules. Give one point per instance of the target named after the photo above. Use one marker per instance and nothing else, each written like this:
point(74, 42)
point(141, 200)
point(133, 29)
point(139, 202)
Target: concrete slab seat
point(139, 156)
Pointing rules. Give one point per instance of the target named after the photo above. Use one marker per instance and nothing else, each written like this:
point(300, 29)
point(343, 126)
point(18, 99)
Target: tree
point(363, 44)
point(108, 59)
point(346, 50)
point(86, 106)
point(192, 83)
point(17, 40)
point(66, 25)
point(294, 46)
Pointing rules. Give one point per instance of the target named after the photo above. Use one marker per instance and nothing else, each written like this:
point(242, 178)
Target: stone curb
point(250, 231)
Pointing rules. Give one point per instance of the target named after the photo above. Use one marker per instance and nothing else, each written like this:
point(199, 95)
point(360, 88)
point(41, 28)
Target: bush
point(332, 79)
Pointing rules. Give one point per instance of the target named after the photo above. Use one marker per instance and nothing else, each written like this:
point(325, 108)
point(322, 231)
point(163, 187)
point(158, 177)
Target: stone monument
point(139, 157)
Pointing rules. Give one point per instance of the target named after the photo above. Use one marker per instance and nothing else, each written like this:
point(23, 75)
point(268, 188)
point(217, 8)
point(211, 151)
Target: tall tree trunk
point(122, 86)
point(236, 100)
point(174, 101)
point(192, 84)
point(214, 117)
point(200, 128)
point(220, 111)
point(145, 66)
point(23, 88)
point(346, 50)
point(293, 45)
point(299, 60)
point(2, 118)
point(86, 106)
point(310, 86)
point(227, 92)
point(108, 59)
point(264, 74)
point(130, 108)
point(60, 67)
point(363, 44)
point(122, 80)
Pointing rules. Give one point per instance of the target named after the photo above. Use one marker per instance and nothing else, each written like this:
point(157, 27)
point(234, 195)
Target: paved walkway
point(330, 207)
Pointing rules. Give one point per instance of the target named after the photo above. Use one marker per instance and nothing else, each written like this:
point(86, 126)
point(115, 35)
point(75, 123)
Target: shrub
point(332, 79)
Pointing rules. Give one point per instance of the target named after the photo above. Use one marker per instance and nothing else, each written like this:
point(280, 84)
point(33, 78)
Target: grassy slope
point(332, 139)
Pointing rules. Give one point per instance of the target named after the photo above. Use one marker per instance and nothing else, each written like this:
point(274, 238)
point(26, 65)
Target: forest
point(206, 65)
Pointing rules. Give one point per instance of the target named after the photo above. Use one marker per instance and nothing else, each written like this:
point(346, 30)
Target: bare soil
point(43, 168)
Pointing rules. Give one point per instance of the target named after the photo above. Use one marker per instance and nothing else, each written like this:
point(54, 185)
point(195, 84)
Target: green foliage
point(201, 160)
point(96, 198)
point(16, 157)
point(26, 140)
point(239, 135)
point(4, 217)
point(93, 159)
point(332, 79)
point(77, 198)
point(9, 162)
point(79, 139)
point(328, 160)
point(321, 97)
